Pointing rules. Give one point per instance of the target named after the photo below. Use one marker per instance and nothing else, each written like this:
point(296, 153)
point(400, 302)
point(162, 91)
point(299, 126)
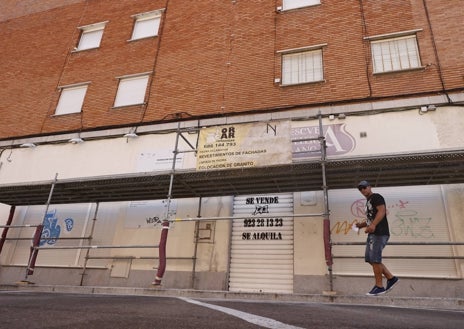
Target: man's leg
point(388, 275)
point(378, 269)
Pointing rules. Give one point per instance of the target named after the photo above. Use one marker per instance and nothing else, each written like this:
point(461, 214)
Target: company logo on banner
point(338, 140)
point(244, 146)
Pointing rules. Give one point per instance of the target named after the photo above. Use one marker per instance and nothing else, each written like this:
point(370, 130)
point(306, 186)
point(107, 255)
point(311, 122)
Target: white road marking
point(255, 319)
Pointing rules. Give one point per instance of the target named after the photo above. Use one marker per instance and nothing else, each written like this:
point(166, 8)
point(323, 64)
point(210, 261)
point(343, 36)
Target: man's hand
point(361, 225)
point(370, 229)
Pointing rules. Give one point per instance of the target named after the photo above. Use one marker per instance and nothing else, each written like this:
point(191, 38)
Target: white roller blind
point(146, 27)
point(90, 39)
point(291, 4)
point(71, 100)
point(131, 91)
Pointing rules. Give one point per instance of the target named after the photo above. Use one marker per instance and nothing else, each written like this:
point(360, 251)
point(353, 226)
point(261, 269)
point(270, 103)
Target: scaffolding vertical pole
point(326, 220)
point(38, 234)
point(165, 223)
point(34, 250)
point(92, 229)
point(196, 238)
point(6, 228)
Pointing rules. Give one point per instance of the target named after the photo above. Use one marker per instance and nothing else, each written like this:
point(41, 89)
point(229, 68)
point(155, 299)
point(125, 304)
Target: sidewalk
point(384, 300)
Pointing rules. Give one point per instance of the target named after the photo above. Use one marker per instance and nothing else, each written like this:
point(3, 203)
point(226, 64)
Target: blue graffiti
point(69, 222)
point(51, 230)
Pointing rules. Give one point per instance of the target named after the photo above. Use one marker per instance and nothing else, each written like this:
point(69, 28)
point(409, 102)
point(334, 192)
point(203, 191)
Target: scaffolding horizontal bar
point(191, 219)
point(402, 243)
point(404, 257)
point(97, 247)
point(17, 226)
point(139, 257)
point(48, 239)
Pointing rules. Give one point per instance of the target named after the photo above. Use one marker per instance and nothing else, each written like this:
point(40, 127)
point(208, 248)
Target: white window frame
point(146, 25)
point(302, 65)
point(91, 36)
point(394, 54)
point(131, 90)
point(71, 99)
point(294, 4)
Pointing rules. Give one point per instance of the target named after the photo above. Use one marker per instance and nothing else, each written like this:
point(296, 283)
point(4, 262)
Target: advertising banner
point(244, 146)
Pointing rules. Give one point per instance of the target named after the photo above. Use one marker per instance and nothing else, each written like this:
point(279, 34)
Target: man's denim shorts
point(374, 247)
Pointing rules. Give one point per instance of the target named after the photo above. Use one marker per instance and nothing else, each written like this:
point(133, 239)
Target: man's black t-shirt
point(371, 210)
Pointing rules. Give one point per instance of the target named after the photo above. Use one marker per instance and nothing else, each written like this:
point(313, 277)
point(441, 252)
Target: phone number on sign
point(263, 222)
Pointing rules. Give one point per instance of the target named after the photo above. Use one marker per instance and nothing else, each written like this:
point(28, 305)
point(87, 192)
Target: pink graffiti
point(358, 208)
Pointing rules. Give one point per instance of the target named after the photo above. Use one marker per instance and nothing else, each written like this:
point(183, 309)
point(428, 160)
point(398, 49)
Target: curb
point(442, 303)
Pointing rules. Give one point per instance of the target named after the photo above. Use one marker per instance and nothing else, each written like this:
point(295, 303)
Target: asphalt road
point(26, 310)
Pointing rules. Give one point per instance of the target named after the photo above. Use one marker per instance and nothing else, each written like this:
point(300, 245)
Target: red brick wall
point(16, 8)
point(212, 57)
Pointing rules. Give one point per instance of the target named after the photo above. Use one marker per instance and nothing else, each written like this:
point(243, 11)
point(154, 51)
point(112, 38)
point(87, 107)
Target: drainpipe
point(437, 58)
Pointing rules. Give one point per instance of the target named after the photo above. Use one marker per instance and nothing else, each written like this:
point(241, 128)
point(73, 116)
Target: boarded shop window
point(302, 67)
point(91, 36)
point(146, 25)
point(71, 99)
point(131, 90)
point(395, 54)
point(292, 4)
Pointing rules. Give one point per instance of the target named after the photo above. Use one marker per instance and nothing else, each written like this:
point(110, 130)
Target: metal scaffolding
point(424, 168)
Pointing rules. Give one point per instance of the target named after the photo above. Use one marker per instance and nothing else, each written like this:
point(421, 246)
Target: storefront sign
point(338, 140)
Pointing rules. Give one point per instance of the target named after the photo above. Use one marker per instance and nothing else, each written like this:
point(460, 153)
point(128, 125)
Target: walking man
point(378, 233)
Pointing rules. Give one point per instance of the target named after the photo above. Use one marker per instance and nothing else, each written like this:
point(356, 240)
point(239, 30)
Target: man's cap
point(364, 183)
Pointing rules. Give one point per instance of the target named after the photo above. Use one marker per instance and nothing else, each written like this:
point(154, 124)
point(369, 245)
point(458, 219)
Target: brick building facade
point(213, 58)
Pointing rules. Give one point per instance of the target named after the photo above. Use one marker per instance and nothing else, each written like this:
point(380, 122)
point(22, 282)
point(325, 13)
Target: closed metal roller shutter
point(416, 214)
point(262, 244)
point(63, 221)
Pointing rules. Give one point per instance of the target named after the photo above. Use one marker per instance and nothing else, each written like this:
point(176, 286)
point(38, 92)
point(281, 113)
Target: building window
point(71, 99)
point(292, 4)
point(131, 90)
point(302, 67)
point(395, 54)
point(91, 36)
point(146, 25)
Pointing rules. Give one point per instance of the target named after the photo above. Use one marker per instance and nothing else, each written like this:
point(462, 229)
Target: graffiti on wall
point(403, 219)
point(52, 229)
